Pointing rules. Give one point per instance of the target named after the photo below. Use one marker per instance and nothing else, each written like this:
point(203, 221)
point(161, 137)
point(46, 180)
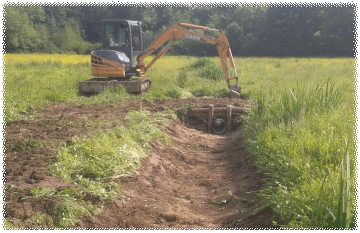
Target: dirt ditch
point(201, 181)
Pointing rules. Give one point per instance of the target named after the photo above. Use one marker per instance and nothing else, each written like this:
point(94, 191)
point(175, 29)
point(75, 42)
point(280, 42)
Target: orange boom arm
point(178, 32)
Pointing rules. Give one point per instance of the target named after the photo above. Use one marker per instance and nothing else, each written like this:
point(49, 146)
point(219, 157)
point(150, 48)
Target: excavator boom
point(178, 32)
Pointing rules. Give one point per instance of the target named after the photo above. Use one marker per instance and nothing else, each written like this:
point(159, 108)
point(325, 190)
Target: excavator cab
point(122, 43)
point(123, 36)
point(115, 64)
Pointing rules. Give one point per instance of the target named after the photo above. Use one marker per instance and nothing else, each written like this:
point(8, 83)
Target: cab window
point(116, 35)
point(136, 39)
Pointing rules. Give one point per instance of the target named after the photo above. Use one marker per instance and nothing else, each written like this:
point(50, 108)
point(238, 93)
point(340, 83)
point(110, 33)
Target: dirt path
point(201, 181)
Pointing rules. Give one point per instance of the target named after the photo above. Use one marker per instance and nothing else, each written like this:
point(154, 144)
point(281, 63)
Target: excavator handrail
point(178, 32)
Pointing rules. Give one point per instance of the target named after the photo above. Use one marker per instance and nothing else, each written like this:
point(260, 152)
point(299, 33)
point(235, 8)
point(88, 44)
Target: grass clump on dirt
point(113, 153)
point(299, 142)
point(69, 208)
point(92, 163)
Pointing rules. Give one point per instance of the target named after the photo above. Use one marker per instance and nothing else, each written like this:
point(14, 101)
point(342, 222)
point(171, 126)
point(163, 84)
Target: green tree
point(235, 34)
point(69, 38)
point(20, 34)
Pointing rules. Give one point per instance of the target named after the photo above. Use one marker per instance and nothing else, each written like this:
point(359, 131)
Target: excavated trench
point(200, 181)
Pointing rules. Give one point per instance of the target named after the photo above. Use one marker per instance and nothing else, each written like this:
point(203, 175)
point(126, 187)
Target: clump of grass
point(202, 62)
point(211, 72)
point(207, 68)
point(8, 225)
point(111, 154)
point(41, 220)
point(182, 78)
point(69, 209)
point(69, 212)
point(343, 218)
point(298, 102)
point(27, 144)
point(107, 191)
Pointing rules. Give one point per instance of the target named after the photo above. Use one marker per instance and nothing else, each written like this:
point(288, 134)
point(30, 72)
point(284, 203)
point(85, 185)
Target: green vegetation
point(300, 131)
point(69, 209)
point(111, 154)
point(301, 134)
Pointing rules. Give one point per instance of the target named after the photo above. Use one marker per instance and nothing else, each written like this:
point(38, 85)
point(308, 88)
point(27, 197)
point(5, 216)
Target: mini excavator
point(122, 55)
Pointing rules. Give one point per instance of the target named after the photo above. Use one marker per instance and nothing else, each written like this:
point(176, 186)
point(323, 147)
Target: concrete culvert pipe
point(219, 127)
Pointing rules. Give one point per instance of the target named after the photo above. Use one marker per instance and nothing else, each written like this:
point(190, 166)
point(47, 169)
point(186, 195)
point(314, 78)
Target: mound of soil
point(201, 181)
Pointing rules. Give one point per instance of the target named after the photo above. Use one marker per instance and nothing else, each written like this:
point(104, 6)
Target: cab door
point(136, 43)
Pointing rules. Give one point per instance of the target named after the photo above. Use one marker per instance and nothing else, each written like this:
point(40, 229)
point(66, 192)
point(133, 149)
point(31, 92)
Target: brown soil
point(201, 181)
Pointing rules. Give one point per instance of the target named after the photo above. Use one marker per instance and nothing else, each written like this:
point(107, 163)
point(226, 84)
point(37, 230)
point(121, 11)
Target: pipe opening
point(219, 125)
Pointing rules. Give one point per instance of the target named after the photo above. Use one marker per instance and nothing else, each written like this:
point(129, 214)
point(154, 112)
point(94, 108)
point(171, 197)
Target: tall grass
point(302, 101)
point(34, 85)
point(298, 141)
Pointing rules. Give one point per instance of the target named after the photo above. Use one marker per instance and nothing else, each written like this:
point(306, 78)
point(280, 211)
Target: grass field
point(300, 131)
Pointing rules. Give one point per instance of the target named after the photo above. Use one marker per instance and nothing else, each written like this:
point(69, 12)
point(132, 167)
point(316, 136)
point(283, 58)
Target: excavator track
point(98, 85)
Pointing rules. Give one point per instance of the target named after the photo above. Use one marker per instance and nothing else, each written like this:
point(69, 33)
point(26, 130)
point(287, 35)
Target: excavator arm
point(178, 32)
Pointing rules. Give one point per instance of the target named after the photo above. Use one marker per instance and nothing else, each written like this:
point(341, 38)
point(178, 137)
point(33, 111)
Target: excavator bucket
point(235, 91)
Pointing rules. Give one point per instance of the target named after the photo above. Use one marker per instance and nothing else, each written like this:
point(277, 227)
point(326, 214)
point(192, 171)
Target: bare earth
point(202, 181)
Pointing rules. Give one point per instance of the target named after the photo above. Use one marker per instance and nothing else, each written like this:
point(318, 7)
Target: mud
point(201, 181)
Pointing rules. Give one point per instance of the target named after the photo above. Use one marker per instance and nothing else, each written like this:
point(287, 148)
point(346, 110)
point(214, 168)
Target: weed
point(41, 220)
point(43, 192)
point(152, 200)
point(182, 78)
point(69, 212)
point(27, 144)
point(106, 191)
point(202, 62)
point(182, 112)
point(8, 225)
point(70, 208)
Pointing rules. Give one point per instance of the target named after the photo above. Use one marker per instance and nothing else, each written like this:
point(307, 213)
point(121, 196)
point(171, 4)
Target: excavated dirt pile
point(201, 181)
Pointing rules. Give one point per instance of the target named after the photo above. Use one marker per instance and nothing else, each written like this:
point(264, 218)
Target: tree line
point(298, 31)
